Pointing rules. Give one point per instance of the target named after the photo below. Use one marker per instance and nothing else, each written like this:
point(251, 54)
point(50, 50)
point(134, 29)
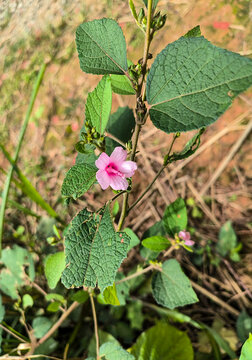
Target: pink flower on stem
point(114, 169)
point(186, 236)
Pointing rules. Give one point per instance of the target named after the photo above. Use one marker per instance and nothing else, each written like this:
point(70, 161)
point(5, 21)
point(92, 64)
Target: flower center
point(111, 170)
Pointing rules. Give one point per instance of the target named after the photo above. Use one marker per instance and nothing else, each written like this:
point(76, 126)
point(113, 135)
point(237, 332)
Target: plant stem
point(95, 324)
point(73, 306)
point(148, 39)
point(21, 137)
point(147, 189)
point(11, 333)
point(136, 274)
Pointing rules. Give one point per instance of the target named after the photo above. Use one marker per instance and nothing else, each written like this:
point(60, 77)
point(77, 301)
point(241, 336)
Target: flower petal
point(184, 235)
point(189, 242)
point(118, 183)
point(118, 155)
point(102, 161)
point(103, 179)
point(128, 168)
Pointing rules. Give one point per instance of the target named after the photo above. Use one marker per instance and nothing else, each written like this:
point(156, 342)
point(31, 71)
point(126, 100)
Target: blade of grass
point(29, 189)
point(21, 137)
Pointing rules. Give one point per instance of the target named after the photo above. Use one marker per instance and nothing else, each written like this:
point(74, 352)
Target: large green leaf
point(175, 217)
point(156, 243)
point(98, 105)
point(101, 47)
point(121, 125)
point(163, 341)
point(192, 82)
point(112, 351)
point(94, 251)
point(171, 287)
point(246, 353)
point(78, 180)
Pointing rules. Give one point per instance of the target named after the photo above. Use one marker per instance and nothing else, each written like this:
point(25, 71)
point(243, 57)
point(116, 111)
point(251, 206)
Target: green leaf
point(27, 301)
point(104, 337)
point(157, 229)
point(109, 296)
point(134, 240)
point(47, 348)
point(88, 157)
point(246, 353)
point(53, 296)
point(227, 239)
point(94, 251)
point(101, 47)
point(192, 82)
point(121, 85)
point(54, 265)
point(175, 217)
point(115, 208)
point(121, 125)
point(163, 341)
point(190, 148)
point(112, 351)
point(13, 276)
point(135, 315)
point(171, 287)
point(80, 296)
point(41, 325)
point(53, 306)
point(156, 243)
point(98, 105)
point(194, 32)
point(244, 325)
point(78, 180)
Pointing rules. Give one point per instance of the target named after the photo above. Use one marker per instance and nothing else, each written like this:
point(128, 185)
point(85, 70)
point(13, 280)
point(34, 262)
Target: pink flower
point(186, 236)
point(114, 169)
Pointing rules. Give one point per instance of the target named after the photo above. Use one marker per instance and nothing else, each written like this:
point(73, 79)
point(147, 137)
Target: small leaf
point(134, 240)
point(121, 85)
point(121, 125)
point(227, 239)
point(88, 157)
point(135, 315)
point(104, 337)
point(78, 180)
point(175, 217)
point(41, 325)
point(98, 105)
point(101, 47)
point(80, 296)
point(190, 148)
point(157, 229)
point(194, 32)
point(109, 296)
point(192, 82)
point(156, 243)
point(244, 325)
point(94, 251)
point(112, 351)
point(171, 287)
point(163, 341)
point(27, 301)
point(115, 208)
point(247, 349)
point(54, 265)
point(53, 306)
point(53, 296)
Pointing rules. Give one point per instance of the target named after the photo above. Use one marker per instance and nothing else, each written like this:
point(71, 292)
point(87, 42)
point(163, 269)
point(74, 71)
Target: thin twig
point(11, 333)
point(136, 274)
point(95, 324)
point(73, 306)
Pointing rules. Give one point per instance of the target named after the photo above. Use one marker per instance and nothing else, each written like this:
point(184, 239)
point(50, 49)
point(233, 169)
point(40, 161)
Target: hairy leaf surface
point(78, 180)
point(101, 47)
point(98, 105)
point(94, 251)
point(192, 82)
point(171, 287)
